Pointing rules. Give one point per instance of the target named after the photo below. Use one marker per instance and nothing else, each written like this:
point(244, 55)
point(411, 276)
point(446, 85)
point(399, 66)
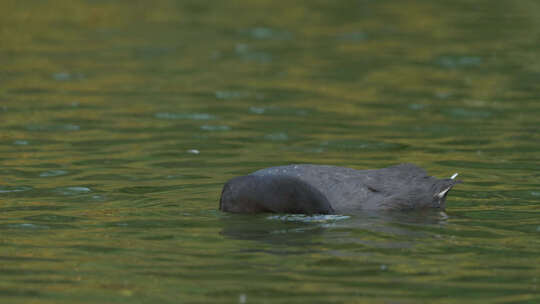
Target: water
point(120, 121)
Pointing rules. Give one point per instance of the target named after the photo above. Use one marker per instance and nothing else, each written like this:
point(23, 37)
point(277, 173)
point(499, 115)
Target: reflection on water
point(122, 120)
point(291, 228)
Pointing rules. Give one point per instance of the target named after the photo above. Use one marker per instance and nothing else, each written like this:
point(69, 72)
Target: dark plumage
point(314, 189)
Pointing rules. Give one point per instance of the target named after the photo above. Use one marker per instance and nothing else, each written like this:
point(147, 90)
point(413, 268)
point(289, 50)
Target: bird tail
point(447, 184)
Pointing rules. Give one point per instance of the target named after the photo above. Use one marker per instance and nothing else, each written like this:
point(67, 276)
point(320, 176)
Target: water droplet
point(193, 151)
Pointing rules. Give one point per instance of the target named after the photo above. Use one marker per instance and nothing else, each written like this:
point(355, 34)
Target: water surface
point(120, 122)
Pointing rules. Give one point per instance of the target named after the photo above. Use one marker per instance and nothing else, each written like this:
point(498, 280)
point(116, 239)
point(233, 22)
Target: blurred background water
point(121, 120)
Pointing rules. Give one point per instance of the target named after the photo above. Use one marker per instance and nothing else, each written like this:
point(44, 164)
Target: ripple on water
point(268, 33)
point(53, 218)
point(257, 110)
point(28, 226)
point(73, 190)
point(8, 189)
point(278, 111)
point(416, 106)
point(232, 94)
point(98, 198)
point(352, 37)
point(215, 128)
point(443, 95)
point(467, 113)
point(363, 145)
point(246, 53)
point(64, 127)
point(318, 218)
point(65, 76)
point(53, 173)
point(189, 116)
point(457, 61)
point(280, 136)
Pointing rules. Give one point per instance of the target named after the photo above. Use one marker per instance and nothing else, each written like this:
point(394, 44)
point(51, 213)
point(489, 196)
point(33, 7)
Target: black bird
point(315, 189)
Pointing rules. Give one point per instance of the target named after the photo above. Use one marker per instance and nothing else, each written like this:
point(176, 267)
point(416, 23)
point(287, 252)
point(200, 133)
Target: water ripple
point(8, 189)
point(192, 116)
point(319, 218)
point(53, 173)
point(215, 128)
point(73, 190)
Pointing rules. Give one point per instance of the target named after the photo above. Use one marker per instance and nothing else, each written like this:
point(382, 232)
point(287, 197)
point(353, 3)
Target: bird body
point(319, 189)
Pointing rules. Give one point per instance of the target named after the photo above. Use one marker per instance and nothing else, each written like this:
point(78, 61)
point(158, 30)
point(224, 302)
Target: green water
point(121, 120)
